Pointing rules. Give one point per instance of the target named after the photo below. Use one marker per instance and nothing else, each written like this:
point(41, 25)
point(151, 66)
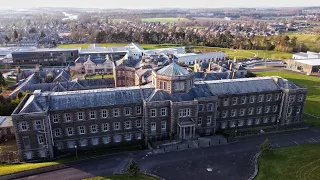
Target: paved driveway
point(233, 161)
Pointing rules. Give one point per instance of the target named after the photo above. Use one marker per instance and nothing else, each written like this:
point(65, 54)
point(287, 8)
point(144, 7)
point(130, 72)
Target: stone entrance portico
point(186, 128)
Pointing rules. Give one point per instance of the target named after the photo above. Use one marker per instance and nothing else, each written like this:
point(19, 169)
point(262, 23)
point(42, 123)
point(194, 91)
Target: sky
point(142, 4)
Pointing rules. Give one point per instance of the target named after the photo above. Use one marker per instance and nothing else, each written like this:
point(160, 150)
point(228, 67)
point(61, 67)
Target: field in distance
point(231, 53)
point(312, 41)
point(164, 20)
point(240, 53)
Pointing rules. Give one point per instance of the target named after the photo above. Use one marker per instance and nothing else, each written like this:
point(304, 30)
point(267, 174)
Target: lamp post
point(76, 147)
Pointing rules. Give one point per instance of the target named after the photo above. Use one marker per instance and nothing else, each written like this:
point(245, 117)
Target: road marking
point(296, 142)
point(314, 140)
point(309, 141)
point(314, 130)
point(277, 145)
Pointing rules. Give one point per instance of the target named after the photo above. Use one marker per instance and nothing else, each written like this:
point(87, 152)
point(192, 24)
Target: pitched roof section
point(173, 69)
point(198, 91)
point(241, 86)
point(97, 98)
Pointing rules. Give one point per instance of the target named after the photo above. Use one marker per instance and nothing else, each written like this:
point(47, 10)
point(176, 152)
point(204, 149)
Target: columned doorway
point(186, 129)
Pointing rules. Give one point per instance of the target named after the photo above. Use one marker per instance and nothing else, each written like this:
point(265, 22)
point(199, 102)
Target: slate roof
point(127, 62)
point(32, 105)
point(98, 60)
point(5, 121)
point(79, 60)
point(97, 98)
point(52, 101)
point(195, 92)
point(202, 76)
point(287, 84)
point(240, 67)
point(173, 69)
point(204, 65)
point(32, 84)
point(241, 86)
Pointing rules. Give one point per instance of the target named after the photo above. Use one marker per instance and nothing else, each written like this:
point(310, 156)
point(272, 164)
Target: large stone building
point(173, 106)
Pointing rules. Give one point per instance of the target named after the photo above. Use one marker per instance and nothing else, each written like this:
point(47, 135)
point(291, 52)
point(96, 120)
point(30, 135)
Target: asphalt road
point(232, 161)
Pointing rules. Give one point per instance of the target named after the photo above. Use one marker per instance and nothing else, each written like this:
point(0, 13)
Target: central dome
point(173, 69)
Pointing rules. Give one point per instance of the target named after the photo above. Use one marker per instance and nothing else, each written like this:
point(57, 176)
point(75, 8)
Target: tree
point(42, 35)
point(7, 39)
point(15, 35)
point(133, 168)
point(2, 100)
point(2, 82)
point(265, 147)
point(49, 77)
point(101, 36)
point(32, 30)
point(19, 95)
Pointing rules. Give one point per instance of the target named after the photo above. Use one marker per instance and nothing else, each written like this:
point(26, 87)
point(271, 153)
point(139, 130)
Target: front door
point(188, 129)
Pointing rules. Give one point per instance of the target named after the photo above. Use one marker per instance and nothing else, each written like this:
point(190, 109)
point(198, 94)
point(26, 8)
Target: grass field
point(312, 83)
point(239, 54)
point(14, 168)
point(164, 20)
point(294, 163)
point(99, 76)
point(124, 177)
point(312, 41)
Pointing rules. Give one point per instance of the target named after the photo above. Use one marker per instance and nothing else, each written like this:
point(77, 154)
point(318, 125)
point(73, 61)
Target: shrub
point(265, 147)
point(133, 168)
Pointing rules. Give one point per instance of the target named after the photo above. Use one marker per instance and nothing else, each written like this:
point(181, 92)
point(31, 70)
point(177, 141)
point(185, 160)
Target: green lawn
point(164, 20)
point(291, 163)
point(312, 83)
point(239, 54)
point(99, 76)
point(124, 177)
point(14, 168)
point(230, 52)
point(312, 41)
point(312, 121)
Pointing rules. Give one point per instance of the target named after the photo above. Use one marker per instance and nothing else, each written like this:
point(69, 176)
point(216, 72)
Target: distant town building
point(307, 55)
point(308, 66)
point(101, 65)
point(191, 58)
point(50, 56)
point(308, 62)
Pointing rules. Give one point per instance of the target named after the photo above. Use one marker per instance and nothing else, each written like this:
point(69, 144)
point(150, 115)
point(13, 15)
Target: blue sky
point(136, 4)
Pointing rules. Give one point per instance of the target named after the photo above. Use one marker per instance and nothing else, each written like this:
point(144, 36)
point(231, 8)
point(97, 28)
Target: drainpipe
point(281, 107)
point(50, 128)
